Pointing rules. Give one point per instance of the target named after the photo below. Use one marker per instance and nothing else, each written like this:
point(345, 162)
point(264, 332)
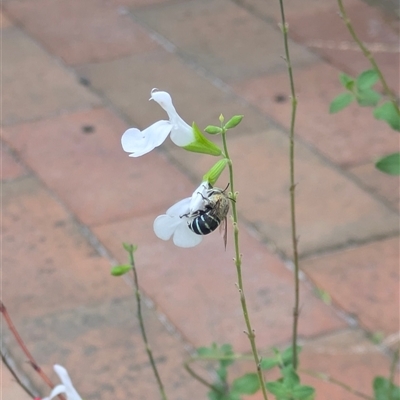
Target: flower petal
point(141, 142)
point(70, 391)
point(55, 392)
point(181, 133)
point(184, 237)
point(197, 201)
point(165, 225)
point(180, 208)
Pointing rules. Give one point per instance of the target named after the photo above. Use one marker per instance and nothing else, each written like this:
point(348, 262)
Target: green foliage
point(281, 359)
point(388, 112)
point(202, 144)
point(367, 79)
point(130, 248)
point(385, 390)
point(289, 387)
point(234, 121)
point(340, 102)
point(246, 384)
point(119, 270)
point(213, 130)
point(389, 164)
point(216, 170)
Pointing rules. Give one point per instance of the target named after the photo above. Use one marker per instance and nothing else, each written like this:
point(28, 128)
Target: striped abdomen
point(204, 223)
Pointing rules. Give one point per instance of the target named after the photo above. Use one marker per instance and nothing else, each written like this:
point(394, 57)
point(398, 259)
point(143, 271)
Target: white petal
point(197, 201)
point(141, 142)
point(165, 225)
point(70, 391)
point(184, 237)
point(165, 101)
point(55, 392)
point(180, 208)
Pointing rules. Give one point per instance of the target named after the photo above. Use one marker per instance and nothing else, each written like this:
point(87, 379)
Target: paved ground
point(76, 74)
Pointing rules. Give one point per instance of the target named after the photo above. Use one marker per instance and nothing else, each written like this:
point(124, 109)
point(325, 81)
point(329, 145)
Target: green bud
point(234, 121)
point(129, 247)
point(221, 119)
point(202, 144)
point(119, 270)
point(213, 130)
point(216, 170)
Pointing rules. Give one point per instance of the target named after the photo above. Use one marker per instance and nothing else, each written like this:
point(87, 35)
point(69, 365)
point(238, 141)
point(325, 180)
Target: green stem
point(367, 54)
point(285, 29)
point(200, 379)
point(238, 263)
point(142, 328)
point(329, 379)
point(393, 372)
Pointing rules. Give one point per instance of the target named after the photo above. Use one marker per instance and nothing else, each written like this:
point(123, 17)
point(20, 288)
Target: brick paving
point(76, 74)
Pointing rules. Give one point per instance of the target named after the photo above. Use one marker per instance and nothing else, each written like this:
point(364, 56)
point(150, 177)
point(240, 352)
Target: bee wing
point(223, 228)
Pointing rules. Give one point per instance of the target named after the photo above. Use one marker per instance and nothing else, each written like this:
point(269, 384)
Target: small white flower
point(139, 142)
point(175, 222)
point(66, 387)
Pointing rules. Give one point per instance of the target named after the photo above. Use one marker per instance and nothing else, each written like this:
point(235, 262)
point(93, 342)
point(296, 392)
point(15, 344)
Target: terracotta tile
point(81, 31)
point(348, 138)
point(196, 287)
point(104, 341)
point(217, 34)
point(195, 97)
point(5, 22)
point(293, 8)
point(89, 170)
point(326, 33)
point(48, 265)
point(348, 357)
point(386, 186)
point(331, 209)
point(35, 85)
point(11, 168)
point(374, 270)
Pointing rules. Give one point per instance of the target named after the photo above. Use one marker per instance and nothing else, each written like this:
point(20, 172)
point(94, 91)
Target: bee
point(214, 214)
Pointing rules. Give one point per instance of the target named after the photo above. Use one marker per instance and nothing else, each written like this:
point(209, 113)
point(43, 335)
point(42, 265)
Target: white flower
point(175, 222)
point(66, 387)
point(139, 142)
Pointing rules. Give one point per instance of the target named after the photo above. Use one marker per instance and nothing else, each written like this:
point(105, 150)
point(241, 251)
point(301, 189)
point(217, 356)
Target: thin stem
point(200, 379)
point(367, 54)
point(329, 379)
point(285, 29)
point(141, 323)
point(23, 347)
point(238, 263)
point(16, 377)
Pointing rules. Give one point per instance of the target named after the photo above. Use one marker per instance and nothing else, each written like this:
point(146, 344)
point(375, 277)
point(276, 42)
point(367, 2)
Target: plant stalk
point(238, 263)
point(142, 327)
point(367, 54)
point(285, 29)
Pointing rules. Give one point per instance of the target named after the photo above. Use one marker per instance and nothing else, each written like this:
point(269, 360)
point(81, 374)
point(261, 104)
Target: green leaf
point(119, 270)
point(287, 355)
point(346, 81)
point(368, 97)
point(268, 363)
point(234, 121)
point(202, 144)
point(367, 79)
point(213, 130)
point(388, 112)
point(246, 384)
point(303, 393)
point(222, 373)
point(290, 378)
point(277, 389)
point(215, 171)
point(384, 389)
point(340, 102)
point(389, 164)
point(129, 247)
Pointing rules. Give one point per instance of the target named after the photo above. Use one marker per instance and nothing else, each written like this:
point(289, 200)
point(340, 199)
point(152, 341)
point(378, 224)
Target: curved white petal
point(197, 201)
point(69, 389)
point(180, 208)
point(165, 225)
point(55, 392)
point(184, 237)
point(181, 133)
point(142, 142)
